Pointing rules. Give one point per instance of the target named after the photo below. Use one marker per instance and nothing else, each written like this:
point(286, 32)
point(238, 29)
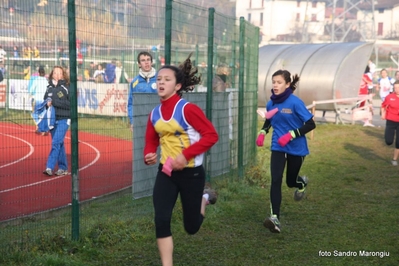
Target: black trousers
point(277, 165)
point(390, 129)
point(189, 183)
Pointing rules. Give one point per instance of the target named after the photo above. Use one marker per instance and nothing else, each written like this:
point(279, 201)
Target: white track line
point(48, 179)
point(32, 149)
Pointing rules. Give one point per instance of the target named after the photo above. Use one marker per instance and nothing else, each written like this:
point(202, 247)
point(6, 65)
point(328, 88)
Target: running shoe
point(48, 172)
point(394, 162)
point(61, 172)
point(273, 224)
point(300, 193)
point(213, 196)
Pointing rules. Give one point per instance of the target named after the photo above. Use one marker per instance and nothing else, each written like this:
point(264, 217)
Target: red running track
point(105, 166)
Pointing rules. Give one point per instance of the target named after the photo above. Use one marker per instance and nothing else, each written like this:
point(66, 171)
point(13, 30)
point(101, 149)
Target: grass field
point(351, 206)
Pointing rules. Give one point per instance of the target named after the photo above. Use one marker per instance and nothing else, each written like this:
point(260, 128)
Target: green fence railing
point(86, 37)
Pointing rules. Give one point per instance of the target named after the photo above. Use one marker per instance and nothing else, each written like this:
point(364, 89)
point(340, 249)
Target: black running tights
point(277, 165)
point(189, 183)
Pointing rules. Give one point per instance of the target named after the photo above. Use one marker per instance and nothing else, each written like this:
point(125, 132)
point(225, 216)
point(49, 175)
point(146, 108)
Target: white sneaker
point(368, 124)
point(394, 162)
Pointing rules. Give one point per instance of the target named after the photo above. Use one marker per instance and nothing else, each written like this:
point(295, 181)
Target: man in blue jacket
point(109, 72)
point(145, 81)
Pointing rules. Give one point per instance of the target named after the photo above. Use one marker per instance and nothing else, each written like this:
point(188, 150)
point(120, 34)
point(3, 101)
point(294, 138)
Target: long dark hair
point(185, 74)
point(287, 77)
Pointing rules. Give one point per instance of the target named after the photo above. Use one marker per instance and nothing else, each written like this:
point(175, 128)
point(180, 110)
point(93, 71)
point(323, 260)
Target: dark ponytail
point(287, 78)
point(185, 75)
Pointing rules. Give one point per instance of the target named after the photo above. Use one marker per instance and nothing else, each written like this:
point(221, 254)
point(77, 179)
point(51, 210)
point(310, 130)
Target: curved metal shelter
point(327, 71)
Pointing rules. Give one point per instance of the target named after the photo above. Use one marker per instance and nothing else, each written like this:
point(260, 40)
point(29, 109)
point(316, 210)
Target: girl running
point(290, 122)
point(184, 135)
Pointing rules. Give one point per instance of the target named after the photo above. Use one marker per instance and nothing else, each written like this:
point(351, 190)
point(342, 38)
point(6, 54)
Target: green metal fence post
point(255, 56)
point(74, 119)
point(240, 155)
point(168, 31)
point(209, 100)
point(211, 23)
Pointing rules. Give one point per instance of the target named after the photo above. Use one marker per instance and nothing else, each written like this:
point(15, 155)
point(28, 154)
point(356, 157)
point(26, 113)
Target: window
point(261, 19)
point(249, 17)
point(298, 3)
point(380, 29)
point(314, 4)
point(250, 3)
point(298, 16)
point(314, 17)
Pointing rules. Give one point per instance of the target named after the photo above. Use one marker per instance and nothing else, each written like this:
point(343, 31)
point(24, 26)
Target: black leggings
point(277, 165)
point(390, 129)
point(189, 183)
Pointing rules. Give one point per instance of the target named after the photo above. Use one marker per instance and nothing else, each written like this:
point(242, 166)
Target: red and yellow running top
point(179, 127)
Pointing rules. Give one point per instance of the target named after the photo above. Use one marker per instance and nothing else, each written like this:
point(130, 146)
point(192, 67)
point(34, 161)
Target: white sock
point(206, 196)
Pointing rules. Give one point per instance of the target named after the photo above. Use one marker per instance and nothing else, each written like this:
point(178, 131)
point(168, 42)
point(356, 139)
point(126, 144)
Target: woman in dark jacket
point(57, 95)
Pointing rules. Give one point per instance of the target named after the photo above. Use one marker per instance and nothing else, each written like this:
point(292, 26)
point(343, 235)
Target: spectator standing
point(396, 75)
point(2, 72)
point(92, 69)
point(119, 78)
point(36, 52)
point(3, 54)
point(363, 90)
point(384, 84)
point(372, 67)
point(219, 82)
point(109, 72)
point(16, 57)
point(57, 96)
point(145, 81)
point(98, 75)
point(26, 55)
point(37, 90)
point(27, 73)
point(39, 86)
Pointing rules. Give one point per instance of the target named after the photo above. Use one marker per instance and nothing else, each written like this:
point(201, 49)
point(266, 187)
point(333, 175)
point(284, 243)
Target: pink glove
point(271, 113)
point(284, 139)
point(167, 167)
point(260, 139)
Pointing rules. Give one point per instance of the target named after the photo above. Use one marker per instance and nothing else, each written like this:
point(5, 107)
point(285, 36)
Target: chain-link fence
point(104, 157)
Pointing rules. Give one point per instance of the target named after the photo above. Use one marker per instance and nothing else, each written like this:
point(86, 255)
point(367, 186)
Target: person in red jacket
point(390, 113)
point(364, 90)
point(184, 134)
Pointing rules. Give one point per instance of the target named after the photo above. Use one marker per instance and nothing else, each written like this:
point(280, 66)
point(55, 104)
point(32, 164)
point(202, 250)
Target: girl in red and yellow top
point(184, 134)
point(390, 112)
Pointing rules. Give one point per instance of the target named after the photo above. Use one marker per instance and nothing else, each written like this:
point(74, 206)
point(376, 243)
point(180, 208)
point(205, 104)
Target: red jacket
point(364, 90)
point(391, 105)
